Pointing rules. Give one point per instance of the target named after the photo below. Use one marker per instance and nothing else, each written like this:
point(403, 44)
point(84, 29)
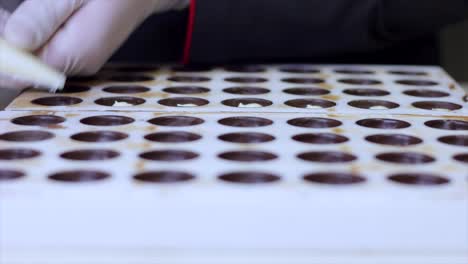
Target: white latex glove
point(79, 36)
point(7, 82)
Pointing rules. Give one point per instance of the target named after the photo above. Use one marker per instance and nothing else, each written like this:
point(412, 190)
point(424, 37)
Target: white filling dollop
point(186, 105)
point(309, 106)
point(440, 109)
point(378, 107)
point(253, 105)
point(121, 104)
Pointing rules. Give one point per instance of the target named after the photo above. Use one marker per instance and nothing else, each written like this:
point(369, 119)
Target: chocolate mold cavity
point(120, 101)
point(57, 101)
point(18, 154)
point(176, 121)
point(373, 104)
point(8, 175)
point(26, 136)
point(183, 102)
point(248, 156)
point(383, 123)
point(246, 90)
point(107, 120)
point(408, 73)
point(400, 140)
point(99, 136)
point(354, 71)
point(314, 122)
point(189, 79)
point(355, 81)
point(455, 140)
point(405, 158)
point(320, 138)
point(306, 91)
point(74, 88)
point(298, 80)
point(334, 178)
point(421, 179)
point(247, 102)
point(126, 89)
point(417, 82)
point(169, 155)
point(310, 103)
point(447, 124)
point(249, 177)
point(437, 105)
point(246, 79)
point(38, 120)
point(79, 176)
point(90, 155)
point(462, 157)
point(366, 92)
point(426, 93)
point(186, 90)
point(247, 138)
point(245, 121)
point(164, 177)
point(327, 157)
point(173, 137)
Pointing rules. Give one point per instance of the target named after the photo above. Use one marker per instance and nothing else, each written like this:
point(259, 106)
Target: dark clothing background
point(334, 31)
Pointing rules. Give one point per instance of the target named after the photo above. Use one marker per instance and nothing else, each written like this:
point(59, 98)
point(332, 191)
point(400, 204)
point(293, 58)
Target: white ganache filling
point(121, 104)
point(378, 107)
point(252, 105)
point(309, 106)
point(186, 105)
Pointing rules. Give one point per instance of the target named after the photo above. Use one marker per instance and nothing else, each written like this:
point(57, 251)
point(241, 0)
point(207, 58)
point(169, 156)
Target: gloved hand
point(79, 36)
point(8, 82)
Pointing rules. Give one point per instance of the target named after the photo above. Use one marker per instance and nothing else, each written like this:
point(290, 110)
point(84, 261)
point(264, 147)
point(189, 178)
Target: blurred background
point(454, 43)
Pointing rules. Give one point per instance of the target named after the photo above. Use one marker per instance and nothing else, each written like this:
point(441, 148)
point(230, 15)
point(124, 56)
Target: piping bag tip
point(24, 66)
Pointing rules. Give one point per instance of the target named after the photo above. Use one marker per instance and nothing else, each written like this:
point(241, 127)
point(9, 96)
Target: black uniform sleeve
point(276, 30)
